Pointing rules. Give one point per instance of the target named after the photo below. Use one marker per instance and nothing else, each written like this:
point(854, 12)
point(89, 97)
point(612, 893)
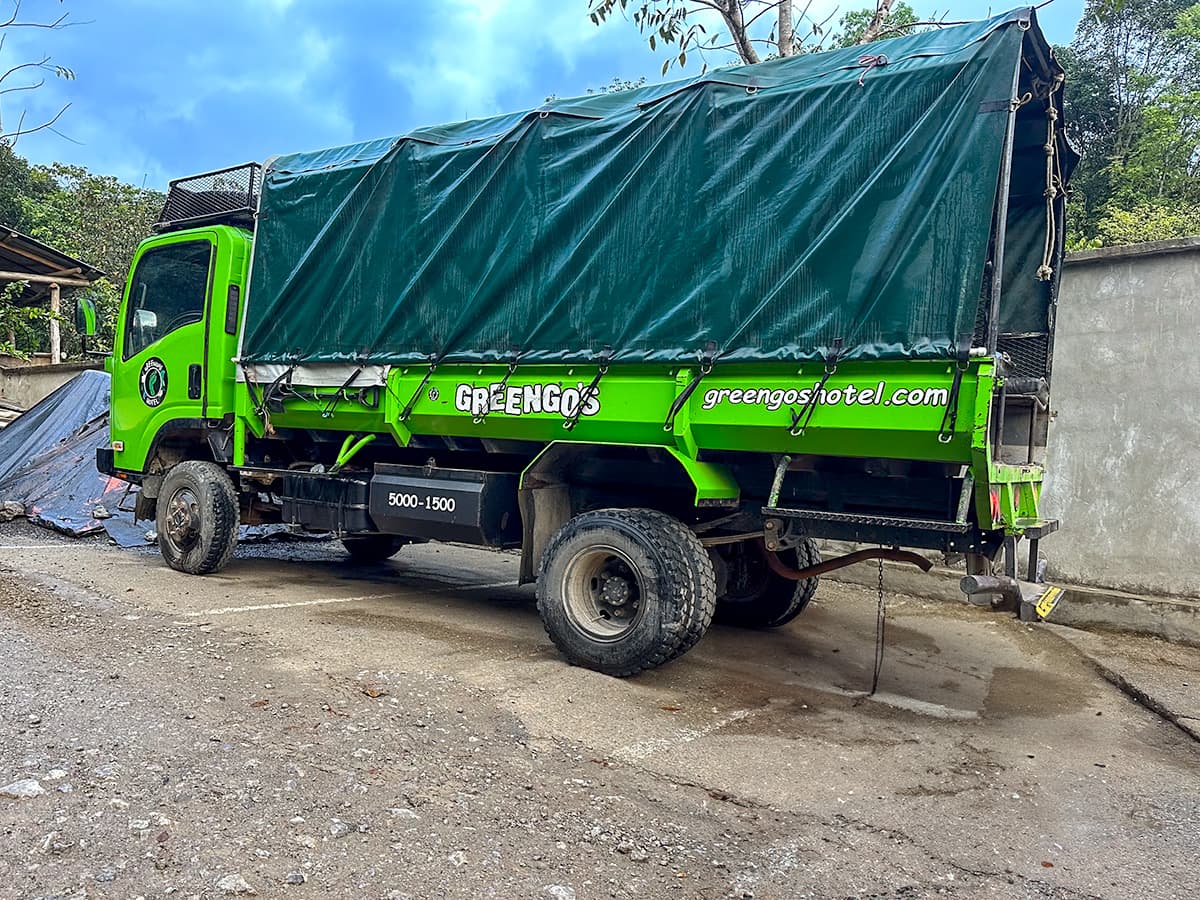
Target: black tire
point(754, 596)
point(610, 560)
point(373, 548)
point(197, 518)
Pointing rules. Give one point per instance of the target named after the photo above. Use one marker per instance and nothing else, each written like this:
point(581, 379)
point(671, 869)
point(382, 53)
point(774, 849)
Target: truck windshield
point(167, 292)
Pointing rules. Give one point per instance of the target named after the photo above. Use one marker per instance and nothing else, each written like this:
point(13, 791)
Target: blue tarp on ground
point(48, 463)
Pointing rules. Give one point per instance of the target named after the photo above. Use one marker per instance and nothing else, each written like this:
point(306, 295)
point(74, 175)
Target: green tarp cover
point(781, 211)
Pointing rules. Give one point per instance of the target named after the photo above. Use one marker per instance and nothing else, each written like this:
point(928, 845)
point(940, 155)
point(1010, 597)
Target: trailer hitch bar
point(783, 570)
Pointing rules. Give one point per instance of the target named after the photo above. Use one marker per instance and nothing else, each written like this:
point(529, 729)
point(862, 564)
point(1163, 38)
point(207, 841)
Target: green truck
point(662, 340)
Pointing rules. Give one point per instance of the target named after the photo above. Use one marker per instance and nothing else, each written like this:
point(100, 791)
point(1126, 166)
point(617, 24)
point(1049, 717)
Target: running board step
point(820, 515)
point(895, 531)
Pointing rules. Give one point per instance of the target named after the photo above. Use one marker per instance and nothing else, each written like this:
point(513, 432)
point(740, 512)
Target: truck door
point(159, 353)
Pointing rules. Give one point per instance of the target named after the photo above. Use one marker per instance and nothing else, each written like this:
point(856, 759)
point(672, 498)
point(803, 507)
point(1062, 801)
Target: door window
point(168, 291)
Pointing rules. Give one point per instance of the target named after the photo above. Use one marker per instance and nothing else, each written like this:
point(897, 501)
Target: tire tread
point(689, 570)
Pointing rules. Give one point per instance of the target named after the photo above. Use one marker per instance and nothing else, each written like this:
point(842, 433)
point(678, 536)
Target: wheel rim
point(602, 593)
point(183, 519)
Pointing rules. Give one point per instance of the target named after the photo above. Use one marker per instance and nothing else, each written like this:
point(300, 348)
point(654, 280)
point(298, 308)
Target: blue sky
point(167, 88)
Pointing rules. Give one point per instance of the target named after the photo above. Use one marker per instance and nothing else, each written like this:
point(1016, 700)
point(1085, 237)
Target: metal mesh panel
point(225, 195)
point(1027, 351)
point(981, 324)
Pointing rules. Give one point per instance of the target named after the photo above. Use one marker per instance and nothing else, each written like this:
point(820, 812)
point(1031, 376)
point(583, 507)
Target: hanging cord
point(1053, 184)
point(950, 416)
point(806, 411)
point(269, 393)
point(869, 62)
point(706, 364)
point(412, 401)
point(262, 407)
point(590, 390)
point(880, 632)
point(327, 412)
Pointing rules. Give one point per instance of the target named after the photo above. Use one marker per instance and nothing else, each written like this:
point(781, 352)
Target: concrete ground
point(299, 727)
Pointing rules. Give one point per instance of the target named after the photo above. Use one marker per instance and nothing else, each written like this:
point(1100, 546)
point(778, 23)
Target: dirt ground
point(297, 726)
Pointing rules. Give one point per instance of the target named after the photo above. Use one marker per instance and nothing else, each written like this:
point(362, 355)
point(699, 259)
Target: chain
point(880, 625)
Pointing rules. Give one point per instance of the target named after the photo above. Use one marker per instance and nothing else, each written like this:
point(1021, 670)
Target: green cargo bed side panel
point(782, 211)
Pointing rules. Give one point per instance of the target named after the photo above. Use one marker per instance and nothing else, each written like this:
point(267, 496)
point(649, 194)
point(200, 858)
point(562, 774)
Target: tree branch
point(883, 9)
point(11, 139)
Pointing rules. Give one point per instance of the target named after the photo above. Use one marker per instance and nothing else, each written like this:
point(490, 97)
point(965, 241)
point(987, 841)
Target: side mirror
point(145, 319)
point(85, 317)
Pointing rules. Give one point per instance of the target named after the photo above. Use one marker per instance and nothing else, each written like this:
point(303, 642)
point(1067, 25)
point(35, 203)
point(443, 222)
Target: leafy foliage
point(619, 84)
point(1133, 107)
point(96, 218)
point(852, 27)
point(751, 30)
point(20, 326)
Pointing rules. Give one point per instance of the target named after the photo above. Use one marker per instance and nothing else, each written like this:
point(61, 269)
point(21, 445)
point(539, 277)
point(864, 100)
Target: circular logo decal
point(433, 394)
point(153, 382)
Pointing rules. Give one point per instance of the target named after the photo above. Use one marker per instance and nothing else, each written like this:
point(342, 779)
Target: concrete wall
point(1123, 464)
point(26, 385)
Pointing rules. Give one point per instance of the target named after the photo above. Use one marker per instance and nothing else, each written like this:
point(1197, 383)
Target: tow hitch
point(1030, 601)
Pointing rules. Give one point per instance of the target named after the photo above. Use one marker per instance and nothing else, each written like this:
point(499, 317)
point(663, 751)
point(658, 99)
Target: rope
point(590, 390)
point(869, 62)
point(1053, 186)
point(950, 416)
point(412, 401)
point(806, 411)
point(706, 364)
point(327, 412)
point(480, 417)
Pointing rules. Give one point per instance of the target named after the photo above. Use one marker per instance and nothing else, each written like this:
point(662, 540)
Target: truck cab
point(173, 377)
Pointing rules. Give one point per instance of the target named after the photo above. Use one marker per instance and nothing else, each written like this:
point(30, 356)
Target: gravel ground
point(299, 728)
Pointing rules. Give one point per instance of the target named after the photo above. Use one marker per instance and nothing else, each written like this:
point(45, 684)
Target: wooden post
point(55, 338)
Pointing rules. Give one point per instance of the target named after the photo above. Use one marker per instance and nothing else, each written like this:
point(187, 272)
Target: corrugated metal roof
point(21, 253)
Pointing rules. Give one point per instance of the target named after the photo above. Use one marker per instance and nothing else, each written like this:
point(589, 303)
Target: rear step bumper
point(929, 534)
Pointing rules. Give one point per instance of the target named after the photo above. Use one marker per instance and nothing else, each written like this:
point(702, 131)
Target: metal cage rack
point(226, 196)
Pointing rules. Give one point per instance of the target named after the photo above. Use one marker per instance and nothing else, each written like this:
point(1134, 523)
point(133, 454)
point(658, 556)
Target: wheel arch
point(570, 477)
point(176, 441)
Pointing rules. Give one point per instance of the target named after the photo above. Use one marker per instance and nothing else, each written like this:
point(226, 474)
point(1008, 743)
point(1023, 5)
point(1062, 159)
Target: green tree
point(1133, 109)
point(751, 30)
point(852, 27)
point(95, 218)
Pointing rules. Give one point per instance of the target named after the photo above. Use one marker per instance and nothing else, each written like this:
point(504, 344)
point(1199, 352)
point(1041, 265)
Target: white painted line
point(258, 607)
point(640, 750)
point(223, 610)
point(43, 546)
point(470, 587)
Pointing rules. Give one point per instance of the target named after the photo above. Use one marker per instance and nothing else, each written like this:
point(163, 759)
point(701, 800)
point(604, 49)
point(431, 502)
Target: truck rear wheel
point(754, 596)
point(621, 591)
point(373, 548)
point(197, 518)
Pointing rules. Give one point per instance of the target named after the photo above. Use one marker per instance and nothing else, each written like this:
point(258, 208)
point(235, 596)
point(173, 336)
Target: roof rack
point(224, 197)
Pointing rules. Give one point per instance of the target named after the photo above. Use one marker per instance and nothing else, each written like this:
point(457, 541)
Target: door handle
point(194, 376)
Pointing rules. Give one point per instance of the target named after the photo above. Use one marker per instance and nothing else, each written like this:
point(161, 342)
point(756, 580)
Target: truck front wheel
point(754, 596)
point(621, 591)
point(197, 518)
